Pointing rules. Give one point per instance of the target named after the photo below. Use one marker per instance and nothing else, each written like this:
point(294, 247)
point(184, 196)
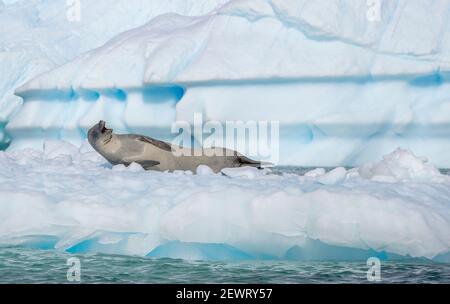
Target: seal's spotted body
point(153, 154)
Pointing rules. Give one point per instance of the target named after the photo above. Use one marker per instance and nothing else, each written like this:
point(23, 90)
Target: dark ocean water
point(302, 170)
point(19, 265)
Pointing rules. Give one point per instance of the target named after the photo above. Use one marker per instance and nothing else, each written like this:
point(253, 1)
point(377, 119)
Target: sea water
point(21, 265)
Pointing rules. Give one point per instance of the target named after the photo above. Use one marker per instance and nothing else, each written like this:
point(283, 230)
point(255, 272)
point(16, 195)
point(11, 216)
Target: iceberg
point(345, 89)
point(38, 36)
point(68, 198)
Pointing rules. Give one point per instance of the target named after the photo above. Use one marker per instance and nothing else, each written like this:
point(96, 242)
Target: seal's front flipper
point(243, 161)
point(146, 164)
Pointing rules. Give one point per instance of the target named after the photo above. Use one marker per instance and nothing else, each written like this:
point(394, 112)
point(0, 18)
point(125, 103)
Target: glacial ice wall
point(345, 89)
point(37, 36)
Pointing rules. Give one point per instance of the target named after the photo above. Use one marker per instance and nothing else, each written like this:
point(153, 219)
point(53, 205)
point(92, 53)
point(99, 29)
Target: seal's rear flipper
point(245, 161)
point(263, 165)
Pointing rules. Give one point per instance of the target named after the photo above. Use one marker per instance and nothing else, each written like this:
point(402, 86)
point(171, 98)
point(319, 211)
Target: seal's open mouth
point(103, 129)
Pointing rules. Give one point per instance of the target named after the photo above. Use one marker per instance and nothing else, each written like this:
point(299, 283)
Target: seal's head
point(99, 135)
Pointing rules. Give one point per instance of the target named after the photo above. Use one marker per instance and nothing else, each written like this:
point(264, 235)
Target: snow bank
point(401, 165)
point(204, 170)
point(76, 202)
point(346, 90)
point(335, 176)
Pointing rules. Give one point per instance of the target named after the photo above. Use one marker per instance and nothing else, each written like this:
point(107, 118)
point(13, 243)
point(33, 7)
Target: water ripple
point(19, 265)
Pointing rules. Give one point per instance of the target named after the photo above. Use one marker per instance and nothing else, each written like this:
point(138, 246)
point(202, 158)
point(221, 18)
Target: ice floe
point(75, 201)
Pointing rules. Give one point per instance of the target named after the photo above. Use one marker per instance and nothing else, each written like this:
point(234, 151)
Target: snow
point(346, 90)
point(204, 170)
point(315, 172)
point(55, 148)
point(333, 177)
point(401, 165)
point(75, 201)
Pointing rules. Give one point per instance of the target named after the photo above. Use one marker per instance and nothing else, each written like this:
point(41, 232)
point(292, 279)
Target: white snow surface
point(401, 165)
point(69, 198)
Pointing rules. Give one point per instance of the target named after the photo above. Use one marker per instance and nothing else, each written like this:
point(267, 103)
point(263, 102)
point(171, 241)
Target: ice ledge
point(342, 214)
point(227, 45)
